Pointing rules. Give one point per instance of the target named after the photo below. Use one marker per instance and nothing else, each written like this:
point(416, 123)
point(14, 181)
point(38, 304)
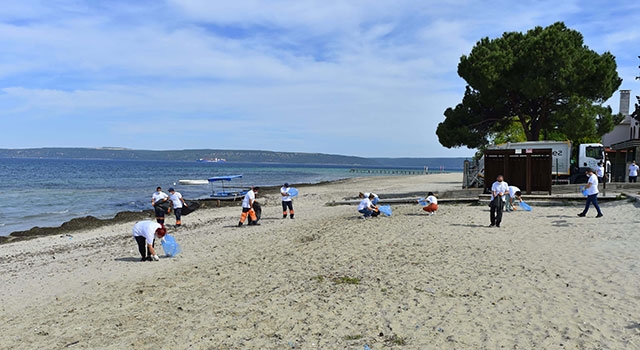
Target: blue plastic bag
point(525, 206)
point(293, 191)
point(170, 246)
point(583, 190)
point(385, 209)
point(423, 202)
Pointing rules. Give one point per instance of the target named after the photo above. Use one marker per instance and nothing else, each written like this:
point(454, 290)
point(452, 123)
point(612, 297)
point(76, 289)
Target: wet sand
point(545, 279)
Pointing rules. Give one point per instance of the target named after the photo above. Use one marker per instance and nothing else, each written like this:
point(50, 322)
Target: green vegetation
point(545, 82)
point(353, 337)
point(346, 280)
point(396, 340)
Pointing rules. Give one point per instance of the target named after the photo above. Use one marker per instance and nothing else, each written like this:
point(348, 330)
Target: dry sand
point(545, 279)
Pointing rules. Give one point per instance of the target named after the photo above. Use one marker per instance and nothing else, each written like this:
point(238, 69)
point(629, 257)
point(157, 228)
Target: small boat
point(212, 160)
point(226, 193)
point(193, 182)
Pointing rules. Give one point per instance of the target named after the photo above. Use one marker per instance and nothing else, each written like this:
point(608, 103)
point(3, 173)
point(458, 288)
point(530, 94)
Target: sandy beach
point(546, 279)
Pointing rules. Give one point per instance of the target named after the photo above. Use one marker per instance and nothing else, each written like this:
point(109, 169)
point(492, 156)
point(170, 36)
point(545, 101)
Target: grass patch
point(353, 337)
point(318, 278)
point(310, 238)
point(346, 280)
point(396, 340)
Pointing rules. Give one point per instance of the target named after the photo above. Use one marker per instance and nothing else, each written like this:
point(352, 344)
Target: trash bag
point(293, 192)
point(385, 209)
point(525, 206)
point(170, 246)
point(190, 208)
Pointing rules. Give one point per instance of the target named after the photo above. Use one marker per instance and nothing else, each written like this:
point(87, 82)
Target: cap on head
point(430, 194)
point(256, 189)
point(286, 184)
point(171, 189)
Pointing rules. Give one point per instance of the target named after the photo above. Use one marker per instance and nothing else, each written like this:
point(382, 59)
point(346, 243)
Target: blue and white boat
point(226, 193)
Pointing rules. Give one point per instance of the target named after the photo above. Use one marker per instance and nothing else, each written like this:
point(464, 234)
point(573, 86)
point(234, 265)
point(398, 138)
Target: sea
point(49, 192)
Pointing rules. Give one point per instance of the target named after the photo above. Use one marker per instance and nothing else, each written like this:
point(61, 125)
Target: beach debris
point(366, 347)
point(72, 344)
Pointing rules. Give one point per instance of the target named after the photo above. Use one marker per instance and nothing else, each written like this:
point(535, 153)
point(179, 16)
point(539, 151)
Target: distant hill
point(249, 156)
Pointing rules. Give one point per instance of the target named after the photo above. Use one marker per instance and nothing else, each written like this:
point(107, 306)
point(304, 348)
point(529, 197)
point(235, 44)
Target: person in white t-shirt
point(287, 201)
point(247, 207)
point(432, 204)
point(498, 191)
point(145, 233)
point(592, 194)
point(633, 172)
point(159, 202)
point(178, 202)
point(512, 194)
point(366, 207)
point(600, 172)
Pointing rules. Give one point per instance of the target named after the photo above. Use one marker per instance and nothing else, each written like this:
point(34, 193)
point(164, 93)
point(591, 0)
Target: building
point(623, 143)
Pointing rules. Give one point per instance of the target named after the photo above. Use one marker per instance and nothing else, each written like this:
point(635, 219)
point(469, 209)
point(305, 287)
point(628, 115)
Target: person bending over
point(432, 204)
point(512, 195)
point(247, 207)
point(145, 233)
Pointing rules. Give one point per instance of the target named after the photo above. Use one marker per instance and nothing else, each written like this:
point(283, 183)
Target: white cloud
point(334, 72)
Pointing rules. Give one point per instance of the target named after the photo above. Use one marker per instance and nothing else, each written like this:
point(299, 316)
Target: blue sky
point(366, 78)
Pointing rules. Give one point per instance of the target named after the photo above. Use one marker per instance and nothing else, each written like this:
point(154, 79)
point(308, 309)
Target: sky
point(363, 78)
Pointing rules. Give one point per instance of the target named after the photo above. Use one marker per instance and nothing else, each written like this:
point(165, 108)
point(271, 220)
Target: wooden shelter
point(528, 169)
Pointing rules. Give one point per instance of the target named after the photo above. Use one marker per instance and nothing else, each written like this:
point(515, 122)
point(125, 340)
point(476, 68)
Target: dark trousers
point(178, 212)
point(142, 246)
point(159, 214)
point(287, 205)
point(496, 211)
point(592, 199)
point(633, 178)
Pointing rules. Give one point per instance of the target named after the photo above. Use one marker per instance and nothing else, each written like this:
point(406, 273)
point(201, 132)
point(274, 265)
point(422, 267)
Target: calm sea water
point(48, 192)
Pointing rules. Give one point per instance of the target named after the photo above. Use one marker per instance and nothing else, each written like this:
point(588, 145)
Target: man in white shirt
point(178, 202)
point(159, 202)
point(513, 194)
point(145, 233)
point(247, 207)
point(600, 172)
point(498, 191)
point(287, 201)
point(432, 204)
point(633, 172)
point(366, 207)
point(592, 194)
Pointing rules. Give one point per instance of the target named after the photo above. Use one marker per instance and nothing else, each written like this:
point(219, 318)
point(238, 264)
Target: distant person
point(247, 207)
point(432, 204)
point(367, 208)
point(177, 202)
point(600, 172)
point(375, 200)
point(592, 194)
point(159, 201)
point(607, 169)
point(512, 194)
point(498, 191)
point(633, 172)
point(145, 233)
point(287, 201)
